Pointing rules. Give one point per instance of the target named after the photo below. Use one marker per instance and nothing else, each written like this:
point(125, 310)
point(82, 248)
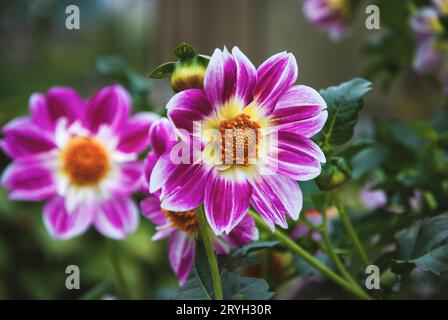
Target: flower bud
point(188, 75)
point(334, 173)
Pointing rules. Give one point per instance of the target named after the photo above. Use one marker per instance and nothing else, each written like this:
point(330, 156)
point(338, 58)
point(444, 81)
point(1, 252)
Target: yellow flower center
point(184, 220)
point(239, 140)
point(85, 161)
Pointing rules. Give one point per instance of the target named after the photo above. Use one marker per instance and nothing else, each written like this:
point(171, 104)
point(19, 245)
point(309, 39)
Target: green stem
point(211, 256)
point(294, 247)
point(351, 232)
point(334, 257)
point(120, 281)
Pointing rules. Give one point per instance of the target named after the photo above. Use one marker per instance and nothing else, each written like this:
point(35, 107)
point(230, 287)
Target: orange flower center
point(85, 161)
point(239, 138)
point(184, 220)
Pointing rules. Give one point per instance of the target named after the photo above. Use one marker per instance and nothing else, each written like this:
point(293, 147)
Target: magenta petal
point(188, 107)
point(59, 102)
point(130, 178)
point(29, 180)
point(220, 78)
point(300, 110)
point(181, 252)
point(274, 197)
point(134, 132)
point(110, 106)
point(246, 76)
point(162, 136)
point(226, 202)
point(22, 138)
point(148, 166)
point(63, 225)
point(184, 189)
point(296, 156)
point(274, 77)
point(245, 232)
point(161, 171)
point(117, 217)
point(151, 210)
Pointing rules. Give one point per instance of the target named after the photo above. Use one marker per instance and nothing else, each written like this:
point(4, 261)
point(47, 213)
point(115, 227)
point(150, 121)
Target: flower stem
point(334, 257)
point(315, 263)
point(211, 256)
point(120, 281)
point(351, 232)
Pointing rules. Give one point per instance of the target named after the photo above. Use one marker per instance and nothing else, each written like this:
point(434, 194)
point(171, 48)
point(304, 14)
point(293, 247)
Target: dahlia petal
point(110, 106)
point(64, 225)
point(246, 76)
point(184, 189)
point(23, 138)
point(59, 102)
point(226, 202)
point(163, 232)
point(296, 156)
point(134, 132)
point(117, 217)
point(245, 232)
point(29, 180)
point(276, 196)
point(161, 171)
point(181, 252)
point(188, 107)
point(150, 208)
point(162, 136)
point(274, 77)
point(428, 58)
point(130, 178)
point(220, 78)
point(300, 109)
point(148, 165)
point(220, 246)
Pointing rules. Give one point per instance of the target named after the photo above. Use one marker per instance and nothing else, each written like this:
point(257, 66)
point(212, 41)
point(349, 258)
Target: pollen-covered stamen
point(85, 161)
point(239, 140)
point(182, 220)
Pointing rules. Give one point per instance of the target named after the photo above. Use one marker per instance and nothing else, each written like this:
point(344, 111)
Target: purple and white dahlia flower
point(181, 226)
point(80, 157)
point(332, 16)
point(253, 128)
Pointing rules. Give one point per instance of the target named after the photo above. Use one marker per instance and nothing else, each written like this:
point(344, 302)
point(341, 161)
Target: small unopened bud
point(334, 173)
point(188, 75)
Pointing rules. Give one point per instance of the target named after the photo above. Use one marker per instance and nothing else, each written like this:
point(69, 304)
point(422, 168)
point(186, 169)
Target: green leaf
point(334, 173)
point(255, 246)
point(344, 102)
point(185, 52)
point(236, 287)
point(112, 66)
point(163, 71)
point(425, 244)
point(354, 148)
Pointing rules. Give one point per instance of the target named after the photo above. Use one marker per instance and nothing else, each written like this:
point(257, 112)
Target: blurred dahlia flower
point(332, 16)
point(253, 128)
point(181, 226)
point(431, 52)
point(80, 158)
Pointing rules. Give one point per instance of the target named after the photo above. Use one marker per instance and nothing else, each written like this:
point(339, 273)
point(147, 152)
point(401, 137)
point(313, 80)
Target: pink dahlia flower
point(254, 128)
point(181, 226)
point(81, 158)
point(332, 16)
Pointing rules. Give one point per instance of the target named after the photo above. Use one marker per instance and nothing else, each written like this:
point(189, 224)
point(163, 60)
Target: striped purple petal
point(22, 138)
point(162, 136)
point(110, 106)
point(117, 217)
point(226, 202)
point(134, 132)
point(274, 77)
point(274, 197)
point(29, 179)
point(59, 102)
point(64, 225)
point(301, 110)
point(245, 232)
point(181, 252)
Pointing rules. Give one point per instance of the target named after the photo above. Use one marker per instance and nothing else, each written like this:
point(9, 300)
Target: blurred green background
point(37, 52)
